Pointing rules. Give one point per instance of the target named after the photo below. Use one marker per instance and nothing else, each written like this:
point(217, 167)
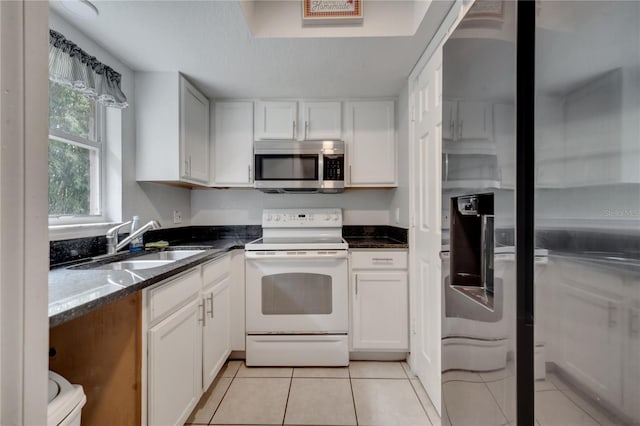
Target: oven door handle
point(297, 255)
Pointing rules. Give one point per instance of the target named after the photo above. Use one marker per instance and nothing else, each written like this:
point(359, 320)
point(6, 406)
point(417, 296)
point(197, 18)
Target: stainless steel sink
point(144, 261)
point(169, 255)
point(134, 264)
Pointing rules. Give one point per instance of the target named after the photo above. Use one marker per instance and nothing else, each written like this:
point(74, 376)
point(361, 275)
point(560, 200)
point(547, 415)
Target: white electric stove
point(297, 290)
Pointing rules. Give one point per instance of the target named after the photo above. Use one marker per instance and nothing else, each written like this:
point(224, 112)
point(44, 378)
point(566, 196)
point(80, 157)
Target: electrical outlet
point(177, 216)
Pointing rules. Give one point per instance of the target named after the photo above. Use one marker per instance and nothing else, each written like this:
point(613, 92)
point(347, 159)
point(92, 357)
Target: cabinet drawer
point(379, 259)
point(168, 297)
point(215, 270)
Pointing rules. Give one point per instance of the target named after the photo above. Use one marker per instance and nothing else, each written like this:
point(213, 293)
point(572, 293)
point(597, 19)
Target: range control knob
point(277, 218)
point(269, 217)
point(327, 217)
point(335, 217)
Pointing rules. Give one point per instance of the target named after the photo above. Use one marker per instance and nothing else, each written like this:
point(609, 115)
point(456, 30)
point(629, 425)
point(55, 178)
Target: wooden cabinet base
point(102, 351)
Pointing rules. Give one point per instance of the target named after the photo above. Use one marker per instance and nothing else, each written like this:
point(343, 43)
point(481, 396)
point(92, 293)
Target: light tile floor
point(488, 399)
point(365, 393)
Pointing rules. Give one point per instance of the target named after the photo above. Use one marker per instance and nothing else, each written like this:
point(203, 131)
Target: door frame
point(24, 255)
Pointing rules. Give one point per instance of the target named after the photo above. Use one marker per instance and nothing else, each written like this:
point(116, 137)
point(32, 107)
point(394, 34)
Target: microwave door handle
point(321, 170)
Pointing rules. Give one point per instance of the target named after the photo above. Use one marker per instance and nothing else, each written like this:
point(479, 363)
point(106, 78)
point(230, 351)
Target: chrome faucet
point(112, 235)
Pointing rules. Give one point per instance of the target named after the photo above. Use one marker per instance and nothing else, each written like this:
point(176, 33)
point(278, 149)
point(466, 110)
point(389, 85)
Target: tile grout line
point(420, 401)
point(353, 397)
point(503, 411)
point(286, 404)
point(223, 395)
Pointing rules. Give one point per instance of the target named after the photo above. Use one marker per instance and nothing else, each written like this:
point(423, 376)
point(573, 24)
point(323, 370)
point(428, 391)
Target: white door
point(380, 311)
point(216, 339)
point(175, 366)
point(426, 155)
point(275, 120)
point(233, 144)
point(194, 131)
point(322, 120)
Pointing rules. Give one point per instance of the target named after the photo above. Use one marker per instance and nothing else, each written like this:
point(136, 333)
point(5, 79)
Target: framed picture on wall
point(331, 12)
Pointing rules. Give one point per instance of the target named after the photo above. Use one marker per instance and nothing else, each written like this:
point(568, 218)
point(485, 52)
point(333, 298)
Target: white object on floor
point(65, 401)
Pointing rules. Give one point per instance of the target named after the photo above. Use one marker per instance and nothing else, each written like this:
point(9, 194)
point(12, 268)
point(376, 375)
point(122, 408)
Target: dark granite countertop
point(74, 291)
point(375, 243)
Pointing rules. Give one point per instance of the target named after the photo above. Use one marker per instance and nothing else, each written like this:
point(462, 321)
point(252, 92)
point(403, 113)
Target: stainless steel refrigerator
point(582, 149)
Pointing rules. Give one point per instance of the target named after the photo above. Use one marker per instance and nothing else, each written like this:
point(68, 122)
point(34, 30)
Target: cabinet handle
point(189, 165)
point(633, 330)
point(201, 308)
point(611, 314)
point(460, 130)
point(249, 176)
point(306, 129)
point(356, 285)
point(382, 259)
point(452, 129)
point(186, 167)
point(210, 299)
point(349, 173)
point(294, 129)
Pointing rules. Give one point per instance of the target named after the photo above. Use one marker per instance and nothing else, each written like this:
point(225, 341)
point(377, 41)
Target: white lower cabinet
point(379, 301)
point(175, 366)
point(216, 336)
point(188, 330)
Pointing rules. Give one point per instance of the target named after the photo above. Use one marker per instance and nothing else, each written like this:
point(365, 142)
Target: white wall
point(149, 201)
point(244, 206)
point(400, 199)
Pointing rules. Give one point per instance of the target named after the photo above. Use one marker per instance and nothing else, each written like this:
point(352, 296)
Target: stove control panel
point(302, 218)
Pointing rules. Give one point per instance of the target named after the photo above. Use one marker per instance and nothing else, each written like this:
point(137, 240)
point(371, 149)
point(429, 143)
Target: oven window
point(286, 167)
point(296, 293)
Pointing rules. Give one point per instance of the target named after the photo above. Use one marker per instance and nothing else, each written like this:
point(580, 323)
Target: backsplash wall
point(233, 206)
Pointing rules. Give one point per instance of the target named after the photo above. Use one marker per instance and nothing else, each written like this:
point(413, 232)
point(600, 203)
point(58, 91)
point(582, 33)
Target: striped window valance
point(73, 67)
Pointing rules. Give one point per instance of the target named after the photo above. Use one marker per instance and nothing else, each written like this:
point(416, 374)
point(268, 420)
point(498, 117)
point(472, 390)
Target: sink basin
point(134, 264)
point(169, 255)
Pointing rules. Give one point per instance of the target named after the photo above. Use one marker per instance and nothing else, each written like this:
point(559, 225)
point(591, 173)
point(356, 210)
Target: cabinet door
point(238, 331)
point(591, 340)
point(275, 119)
point(233, 144)
point(194, 133)
point(175, 366)
point(449, 116)
point(504, 130)
point(371, 143)
point(216, 345)
point(322, 120)
point(380, 311)
point(474, 121)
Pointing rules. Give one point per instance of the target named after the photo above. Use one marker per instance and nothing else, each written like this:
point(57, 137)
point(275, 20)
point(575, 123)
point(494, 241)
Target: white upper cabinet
point(321, 120)
point(233, 144)
point(275, 120)
point(371, 143)
point(172, 129)
point(194, 133)
point(466, 120)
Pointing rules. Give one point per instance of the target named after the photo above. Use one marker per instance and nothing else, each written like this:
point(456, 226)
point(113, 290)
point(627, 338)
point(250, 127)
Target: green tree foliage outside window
point(71, 162)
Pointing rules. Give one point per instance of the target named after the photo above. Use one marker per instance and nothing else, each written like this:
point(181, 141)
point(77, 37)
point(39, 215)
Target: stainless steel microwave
point(299, 167)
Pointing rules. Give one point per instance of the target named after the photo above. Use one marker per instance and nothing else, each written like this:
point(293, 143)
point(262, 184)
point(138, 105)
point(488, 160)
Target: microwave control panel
point(334, 168)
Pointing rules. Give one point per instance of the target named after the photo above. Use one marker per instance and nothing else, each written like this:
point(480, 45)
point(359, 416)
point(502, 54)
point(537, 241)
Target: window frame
point(99, 144)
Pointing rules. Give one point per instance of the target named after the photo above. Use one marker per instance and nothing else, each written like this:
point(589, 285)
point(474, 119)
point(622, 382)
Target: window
point(75, 156)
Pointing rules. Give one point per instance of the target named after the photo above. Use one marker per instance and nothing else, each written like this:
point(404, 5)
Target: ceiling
point(211, 43)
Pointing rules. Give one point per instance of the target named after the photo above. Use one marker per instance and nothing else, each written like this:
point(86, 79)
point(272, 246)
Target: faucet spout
point(112, 235)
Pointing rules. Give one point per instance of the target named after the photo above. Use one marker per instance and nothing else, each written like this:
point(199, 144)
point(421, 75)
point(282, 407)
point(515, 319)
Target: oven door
point(296, 292)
